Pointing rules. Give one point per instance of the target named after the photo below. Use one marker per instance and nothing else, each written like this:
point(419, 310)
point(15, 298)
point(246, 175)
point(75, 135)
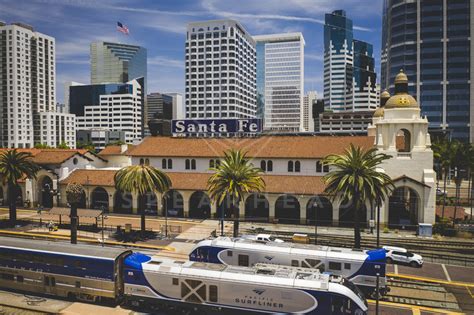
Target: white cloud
point(314, 56)
point(165, 62)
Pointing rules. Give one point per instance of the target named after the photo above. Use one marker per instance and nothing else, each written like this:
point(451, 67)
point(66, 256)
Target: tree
point(354, 176)
point(443, 155)
point(63, 145)
point(234, 177)
point(142, 179)
point(14, 166)
point(118, 142)
point(74, 195)
point(87, 146)
point(42, 146)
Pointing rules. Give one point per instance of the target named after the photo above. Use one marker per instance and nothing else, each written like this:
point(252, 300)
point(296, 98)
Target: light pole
point(377, 268)
point(166, 215)
point(315, 226)
point(103, 218)
point(378, 226)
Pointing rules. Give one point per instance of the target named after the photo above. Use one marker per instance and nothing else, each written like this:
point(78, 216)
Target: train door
point(49, 284)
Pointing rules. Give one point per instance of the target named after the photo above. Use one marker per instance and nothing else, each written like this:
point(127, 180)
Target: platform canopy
point(84, 213)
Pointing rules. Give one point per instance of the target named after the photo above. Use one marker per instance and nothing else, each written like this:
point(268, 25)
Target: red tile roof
point(51, 156)
point(305, 185)
point(114, 150)
point(260, 147)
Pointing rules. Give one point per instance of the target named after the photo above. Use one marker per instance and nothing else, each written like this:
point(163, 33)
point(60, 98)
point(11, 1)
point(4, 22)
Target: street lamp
point(166, 215)
point(377, 268)
point(378, 225)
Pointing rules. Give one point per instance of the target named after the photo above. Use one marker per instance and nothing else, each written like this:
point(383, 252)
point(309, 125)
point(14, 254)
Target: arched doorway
point(199, 205)
point(46, 195)
point(347, 212)
point(100, 199)
point(2, 197)
point(403, 141)
point(173, 202)
point(319, 210)
point(287, 210)
point(403, 207)
point(225, 207)
point(148, 203)
point(257, 208)
point(123, 202)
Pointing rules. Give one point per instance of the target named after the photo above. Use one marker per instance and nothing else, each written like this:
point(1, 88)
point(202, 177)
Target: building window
point(164, 164)
point(142, 161)
point(321, 168)
point(187, 164)
point(170, 164)
point(147, 161)
point(266, 166)
point(269, 166)
point(193, 164)
point(290, 166)
point(297, 166)
point(190, 164)
point(263, 165)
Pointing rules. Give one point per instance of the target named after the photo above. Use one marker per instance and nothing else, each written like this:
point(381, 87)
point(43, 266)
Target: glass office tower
point(117, 63)
point(349, 73)
point(280, 81)
point(431, 41)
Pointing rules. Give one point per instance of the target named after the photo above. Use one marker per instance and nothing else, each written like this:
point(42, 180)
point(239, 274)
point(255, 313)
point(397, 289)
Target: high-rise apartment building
point(280, 81)
point(109, 107)
point(27, 88)
point(431, 40)
point(349, 72)
point(56, 128)
point(220, 70)
point(307, 119)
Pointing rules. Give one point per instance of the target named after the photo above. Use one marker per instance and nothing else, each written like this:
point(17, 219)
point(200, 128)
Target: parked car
point(401, 255)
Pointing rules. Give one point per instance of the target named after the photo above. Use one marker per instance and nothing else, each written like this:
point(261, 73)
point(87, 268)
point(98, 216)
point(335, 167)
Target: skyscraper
point(432, 42)
point(27, 88)
point(117, 63)
point(307, 111)
point(349, 73)
point(220, 70)
point(280, 81)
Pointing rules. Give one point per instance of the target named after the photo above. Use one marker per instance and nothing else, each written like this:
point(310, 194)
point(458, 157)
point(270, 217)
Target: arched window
point(193, 164)
point(142, 161)
point(319, 167)
point(147, 161)
point(163, 164)
point(403, 140)
point(263, 165)
point(297, 166)
point(187, 164)
point(211, 163)
point(218, 163)
point(290, 166)
point(326, 168)
point(269, 166)
point(170, 164)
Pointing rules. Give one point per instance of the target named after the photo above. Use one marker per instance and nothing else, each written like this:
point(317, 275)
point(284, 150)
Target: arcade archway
point(319, 210)
point(173, 203)
point(100, 199)
point(46, 192)
point(123, 202)
point(347, 214)
point(403, 207)
point(148, 203)
point(199, 205)
point(257, 208)
point(287, 209)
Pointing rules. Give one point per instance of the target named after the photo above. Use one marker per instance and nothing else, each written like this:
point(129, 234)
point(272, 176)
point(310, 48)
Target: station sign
point(216, 126)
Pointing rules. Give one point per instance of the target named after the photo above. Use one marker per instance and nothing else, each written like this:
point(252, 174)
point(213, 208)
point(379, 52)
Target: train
point(148, 283)
point(359, 266)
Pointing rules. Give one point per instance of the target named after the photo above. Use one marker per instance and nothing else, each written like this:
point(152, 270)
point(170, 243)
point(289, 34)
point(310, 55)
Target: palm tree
point(142, 179)
point(443, 155)
point(355, 177)
point(74, 194)
point(234, 177)
point(14, 166)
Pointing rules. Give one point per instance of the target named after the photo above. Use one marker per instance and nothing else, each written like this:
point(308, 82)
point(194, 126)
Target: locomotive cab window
point(295, 263)
point(213, 293)
point(229, 253)
point(347, 266)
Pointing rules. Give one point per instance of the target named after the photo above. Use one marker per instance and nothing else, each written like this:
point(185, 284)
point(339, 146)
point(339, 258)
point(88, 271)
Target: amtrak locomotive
point(358, 266)
point(133, 279)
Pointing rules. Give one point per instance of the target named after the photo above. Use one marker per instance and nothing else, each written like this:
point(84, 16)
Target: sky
point(160, 27)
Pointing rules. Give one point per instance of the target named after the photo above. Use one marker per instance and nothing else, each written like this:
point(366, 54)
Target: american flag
point(122, 28)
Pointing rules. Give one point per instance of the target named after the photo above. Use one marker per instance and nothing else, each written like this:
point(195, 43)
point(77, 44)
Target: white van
point(401, 255)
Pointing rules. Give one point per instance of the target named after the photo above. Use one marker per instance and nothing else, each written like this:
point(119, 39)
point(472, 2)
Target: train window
point(19, 278)
point(229, 253)
point(53, 282)
point(244, 260)
point(46, 280)
point(334, 265)
point(347, 266)
point(78, 284)
point(295, 263)
point(213, 293)
point(313, 262)
point(175, 281)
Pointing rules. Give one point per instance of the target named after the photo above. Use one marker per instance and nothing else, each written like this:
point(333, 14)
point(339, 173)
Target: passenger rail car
point(81, 272)
point(361, 267)
point(219, 289)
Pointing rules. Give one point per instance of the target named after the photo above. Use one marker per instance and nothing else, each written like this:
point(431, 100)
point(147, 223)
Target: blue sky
point(160, 26)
